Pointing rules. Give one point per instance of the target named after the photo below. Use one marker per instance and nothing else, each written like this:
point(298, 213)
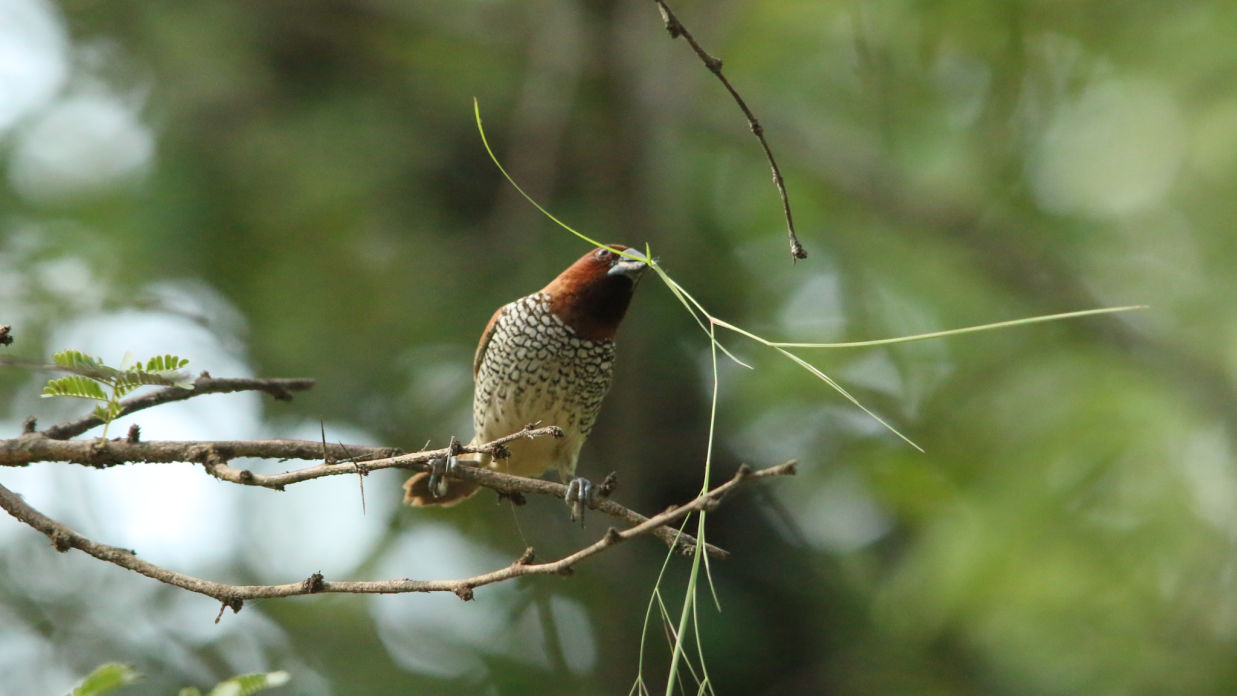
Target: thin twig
point(234, 596)
point(714, 64)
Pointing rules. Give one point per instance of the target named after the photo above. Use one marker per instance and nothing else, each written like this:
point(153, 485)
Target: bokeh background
point(297, 188)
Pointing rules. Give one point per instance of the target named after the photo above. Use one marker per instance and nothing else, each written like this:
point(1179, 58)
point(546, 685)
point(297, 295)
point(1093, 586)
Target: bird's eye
point(604, 254)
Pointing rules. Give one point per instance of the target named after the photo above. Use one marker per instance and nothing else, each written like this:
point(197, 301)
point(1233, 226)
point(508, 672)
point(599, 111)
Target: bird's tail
point(417, 491)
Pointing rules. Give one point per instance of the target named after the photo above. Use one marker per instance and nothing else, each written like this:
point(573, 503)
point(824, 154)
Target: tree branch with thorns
point(56, 444)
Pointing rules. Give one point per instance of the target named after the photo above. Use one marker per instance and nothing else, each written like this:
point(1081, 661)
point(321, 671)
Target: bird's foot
point(439, 468)
point(581, 493)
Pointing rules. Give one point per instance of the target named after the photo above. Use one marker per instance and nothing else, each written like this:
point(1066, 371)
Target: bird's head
point(592, 295)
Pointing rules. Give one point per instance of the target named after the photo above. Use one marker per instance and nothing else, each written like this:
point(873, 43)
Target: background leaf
point(105, 679)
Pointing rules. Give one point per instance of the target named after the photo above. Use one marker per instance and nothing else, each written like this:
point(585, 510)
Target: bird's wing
point(485, 340)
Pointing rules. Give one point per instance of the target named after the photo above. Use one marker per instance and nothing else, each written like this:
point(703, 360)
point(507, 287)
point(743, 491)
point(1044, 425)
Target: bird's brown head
point(592, 295)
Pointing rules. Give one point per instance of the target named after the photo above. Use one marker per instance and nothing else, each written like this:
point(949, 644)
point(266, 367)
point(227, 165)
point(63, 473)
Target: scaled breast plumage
point(535, 368)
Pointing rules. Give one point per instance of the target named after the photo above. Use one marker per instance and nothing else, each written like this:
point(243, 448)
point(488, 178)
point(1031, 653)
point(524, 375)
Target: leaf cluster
point(113, 675)
point(93, 379)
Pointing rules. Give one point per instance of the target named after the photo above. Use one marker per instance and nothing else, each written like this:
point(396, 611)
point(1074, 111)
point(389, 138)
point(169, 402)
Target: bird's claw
point(581, 493)
point(439, 468)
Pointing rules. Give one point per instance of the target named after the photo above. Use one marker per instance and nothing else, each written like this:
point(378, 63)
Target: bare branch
point(340, 459)
point(102, 454)
point(714, 64)
point(234, 596)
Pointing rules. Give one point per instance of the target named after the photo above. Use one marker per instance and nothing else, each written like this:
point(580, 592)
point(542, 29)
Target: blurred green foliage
point(1072, 527)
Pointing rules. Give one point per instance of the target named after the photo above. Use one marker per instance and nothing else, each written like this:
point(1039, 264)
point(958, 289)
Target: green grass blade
point(963, 330)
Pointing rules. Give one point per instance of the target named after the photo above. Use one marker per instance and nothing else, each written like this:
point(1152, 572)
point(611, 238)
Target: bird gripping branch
point(547, 357)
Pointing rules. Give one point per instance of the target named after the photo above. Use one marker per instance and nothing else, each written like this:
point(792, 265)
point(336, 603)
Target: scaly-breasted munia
point(548, 358)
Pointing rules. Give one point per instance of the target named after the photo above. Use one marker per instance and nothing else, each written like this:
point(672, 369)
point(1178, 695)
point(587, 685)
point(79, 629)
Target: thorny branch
point(234, 596)
point(338, 459)
point(714, 64)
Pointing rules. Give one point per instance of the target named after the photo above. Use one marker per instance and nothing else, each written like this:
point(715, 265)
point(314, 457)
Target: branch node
point(526, 558)
point(101, 457)
point(796, 249)
point(314, 583)
point(29, 425)
point(612, 536)
point(233, 603)
point(276, 390)
point(517, 498)
point(135, 434)
point(6, 338)
point(672, 23)
point(246, 476)
point(61, 541)
point(500, 452)
point(608, 484)
point(464, 592)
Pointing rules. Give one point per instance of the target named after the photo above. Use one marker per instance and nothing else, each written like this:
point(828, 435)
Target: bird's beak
point(632, 268)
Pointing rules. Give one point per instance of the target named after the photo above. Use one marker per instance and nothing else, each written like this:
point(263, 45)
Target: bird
point(545, 358)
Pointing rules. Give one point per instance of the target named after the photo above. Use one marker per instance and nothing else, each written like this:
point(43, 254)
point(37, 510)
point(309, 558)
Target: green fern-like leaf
point(75, 386)
point(107, 412)
point(76, 360)
point(165, 363)
point(122, 385)
point(241, 685)
point(82, 364)
point(134, 378)
point(105, 678)
point(161, 370)
point(247, 684)
point(141, 378)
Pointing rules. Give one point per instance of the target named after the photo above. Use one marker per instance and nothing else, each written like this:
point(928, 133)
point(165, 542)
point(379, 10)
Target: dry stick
point(214, 457)
point(233, 596)
point(714, 64)
point(102, 454)
point(279, 388)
